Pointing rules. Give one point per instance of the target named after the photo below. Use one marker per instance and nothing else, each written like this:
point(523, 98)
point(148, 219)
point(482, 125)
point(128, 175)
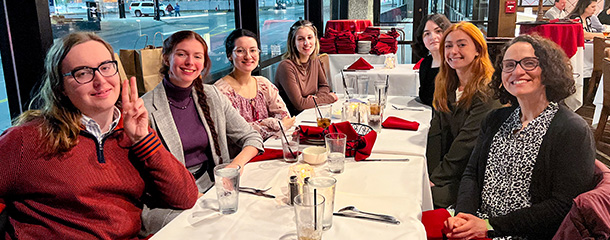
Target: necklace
point(178, 107)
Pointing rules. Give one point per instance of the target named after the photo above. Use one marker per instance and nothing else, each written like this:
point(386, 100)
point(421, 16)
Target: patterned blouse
point(263, 111)
point(510, 163)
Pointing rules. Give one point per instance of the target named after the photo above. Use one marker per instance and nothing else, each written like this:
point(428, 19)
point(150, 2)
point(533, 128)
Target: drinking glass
point(290, 146)
point(381, 91)
point(350, 85)
point(326, 187)
point(363, 85)
point(335, 146)
point(227, 186)
point(309, 212)
point(326, 112)
point(375, 116)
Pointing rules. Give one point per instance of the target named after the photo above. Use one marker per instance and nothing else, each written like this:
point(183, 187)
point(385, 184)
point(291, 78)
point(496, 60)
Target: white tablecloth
point(587, 68)
point(598, 101)
point(392, 188)
point(400, 189)
point(404, 81)
point(339, 61)
point(575, 100)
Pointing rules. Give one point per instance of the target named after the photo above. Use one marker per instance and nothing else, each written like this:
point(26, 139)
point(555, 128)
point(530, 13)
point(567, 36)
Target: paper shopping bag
point(148, 62)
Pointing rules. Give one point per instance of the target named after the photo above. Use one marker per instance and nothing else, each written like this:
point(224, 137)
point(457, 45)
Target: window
point(5, 115)
point(399, 14)
point(211, 19)
point(275, 20)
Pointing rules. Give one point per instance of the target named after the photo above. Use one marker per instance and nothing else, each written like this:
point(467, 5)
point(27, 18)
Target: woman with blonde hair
point(461, 101)
point(82, 166)
point(300, 76)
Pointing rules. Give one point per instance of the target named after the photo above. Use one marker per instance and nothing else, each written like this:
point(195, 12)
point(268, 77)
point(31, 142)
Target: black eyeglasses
point(85, 75)
point(528, 64)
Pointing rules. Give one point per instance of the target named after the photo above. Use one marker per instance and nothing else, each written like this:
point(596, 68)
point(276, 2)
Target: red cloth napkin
point(309, 132)
point(268, 155)
point(434, 222)
point(357, 146)
point(360, 64)
point(399, 123)
point(418, 64)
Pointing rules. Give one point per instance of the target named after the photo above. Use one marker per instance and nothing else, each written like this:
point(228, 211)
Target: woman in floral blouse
point(256, 98)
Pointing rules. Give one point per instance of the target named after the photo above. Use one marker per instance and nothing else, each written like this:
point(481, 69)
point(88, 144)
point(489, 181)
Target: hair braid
point(198, 85)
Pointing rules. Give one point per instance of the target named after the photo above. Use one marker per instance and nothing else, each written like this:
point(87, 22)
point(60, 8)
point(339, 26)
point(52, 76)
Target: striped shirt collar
point(94, 129)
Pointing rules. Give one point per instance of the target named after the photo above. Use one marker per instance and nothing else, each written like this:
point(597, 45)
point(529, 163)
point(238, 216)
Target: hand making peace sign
point(135, 116)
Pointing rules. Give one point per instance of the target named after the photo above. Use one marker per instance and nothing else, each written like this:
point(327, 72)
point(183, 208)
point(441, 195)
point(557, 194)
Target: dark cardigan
point(563, 170)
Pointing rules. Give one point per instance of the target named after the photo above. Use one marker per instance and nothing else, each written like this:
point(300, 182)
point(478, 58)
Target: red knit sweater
point(89, 192)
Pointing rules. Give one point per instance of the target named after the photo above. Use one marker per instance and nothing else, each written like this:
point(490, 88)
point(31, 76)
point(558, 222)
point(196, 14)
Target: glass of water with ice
point(227, 187)
point(335, 146)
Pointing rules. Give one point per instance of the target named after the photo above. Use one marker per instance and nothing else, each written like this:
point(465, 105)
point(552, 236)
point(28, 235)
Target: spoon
point(354, 209)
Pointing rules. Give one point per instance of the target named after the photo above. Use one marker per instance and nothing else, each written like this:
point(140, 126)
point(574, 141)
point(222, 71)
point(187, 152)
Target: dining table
point(395, 183)
point(402, 80)
point(336, 62)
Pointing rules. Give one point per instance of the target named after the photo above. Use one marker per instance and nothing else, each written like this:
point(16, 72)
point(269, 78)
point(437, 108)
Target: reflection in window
point(5, 115)
point(275, 19)
point(214, 20)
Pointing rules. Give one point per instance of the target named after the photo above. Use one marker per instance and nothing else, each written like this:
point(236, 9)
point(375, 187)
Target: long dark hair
point(580, 7)
point(168, 47)
point(418, 45)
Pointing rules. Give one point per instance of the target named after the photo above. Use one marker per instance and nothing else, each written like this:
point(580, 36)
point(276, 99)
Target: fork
point(256, 189)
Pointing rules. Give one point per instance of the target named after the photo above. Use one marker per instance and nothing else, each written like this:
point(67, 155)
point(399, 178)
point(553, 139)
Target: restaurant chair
point(603, 118)
point(326, 66)
point(3, 218)
point(599, 44)
point(589, 217)
point(495, 45)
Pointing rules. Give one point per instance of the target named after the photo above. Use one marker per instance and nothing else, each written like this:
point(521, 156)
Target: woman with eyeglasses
point(300, 77)
point(461, 100)
point(196, 122)
point(81, 166)
point(532, 158)
point(256, 98)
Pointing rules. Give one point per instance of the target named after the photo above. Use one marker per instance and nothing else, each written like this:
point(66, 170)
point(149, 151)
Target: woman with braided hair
point(196, 122)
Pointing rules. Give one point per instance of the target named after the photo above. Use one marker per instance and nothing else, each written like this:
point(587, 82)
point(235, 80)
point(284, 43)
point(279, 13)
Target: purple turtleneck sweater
point(196, 147)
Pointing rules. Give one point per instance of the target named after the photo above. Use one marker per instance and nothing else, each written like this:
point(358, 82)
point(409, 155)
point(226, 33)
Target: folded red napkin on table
point(309, 132)
point(268, 155)
point(434, 222)
point(357, 146)
point(399, 123)
point(360, 64)
point(418, 64)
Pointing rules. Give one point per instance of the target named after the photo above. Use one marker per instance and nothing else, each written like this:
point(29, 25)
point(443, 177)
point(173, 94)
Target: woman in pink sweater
point(82, 165)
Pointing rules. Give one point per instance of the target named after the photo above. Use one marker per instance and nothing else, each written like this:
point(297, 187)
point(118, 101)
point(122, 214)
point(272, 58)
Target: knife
point(257, 193)
point(385, 159)
point(368, 218)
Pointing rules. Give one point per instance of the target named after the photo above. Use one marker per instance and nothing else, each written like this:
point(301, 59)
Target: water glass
point(290, 146)
point(363, 86)
point(326, 187)
point(309, 212)
point(324, 115)
point(335, 146)
point(227, 186)
point(375, 116)
point(350, 85)
point(381, 92)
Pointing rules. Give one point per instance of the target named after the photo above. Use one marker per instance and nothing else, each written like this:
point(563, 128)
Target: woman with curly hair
point(461, 100)
point(196, 122)
point(532, 158)
point(426, 45)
